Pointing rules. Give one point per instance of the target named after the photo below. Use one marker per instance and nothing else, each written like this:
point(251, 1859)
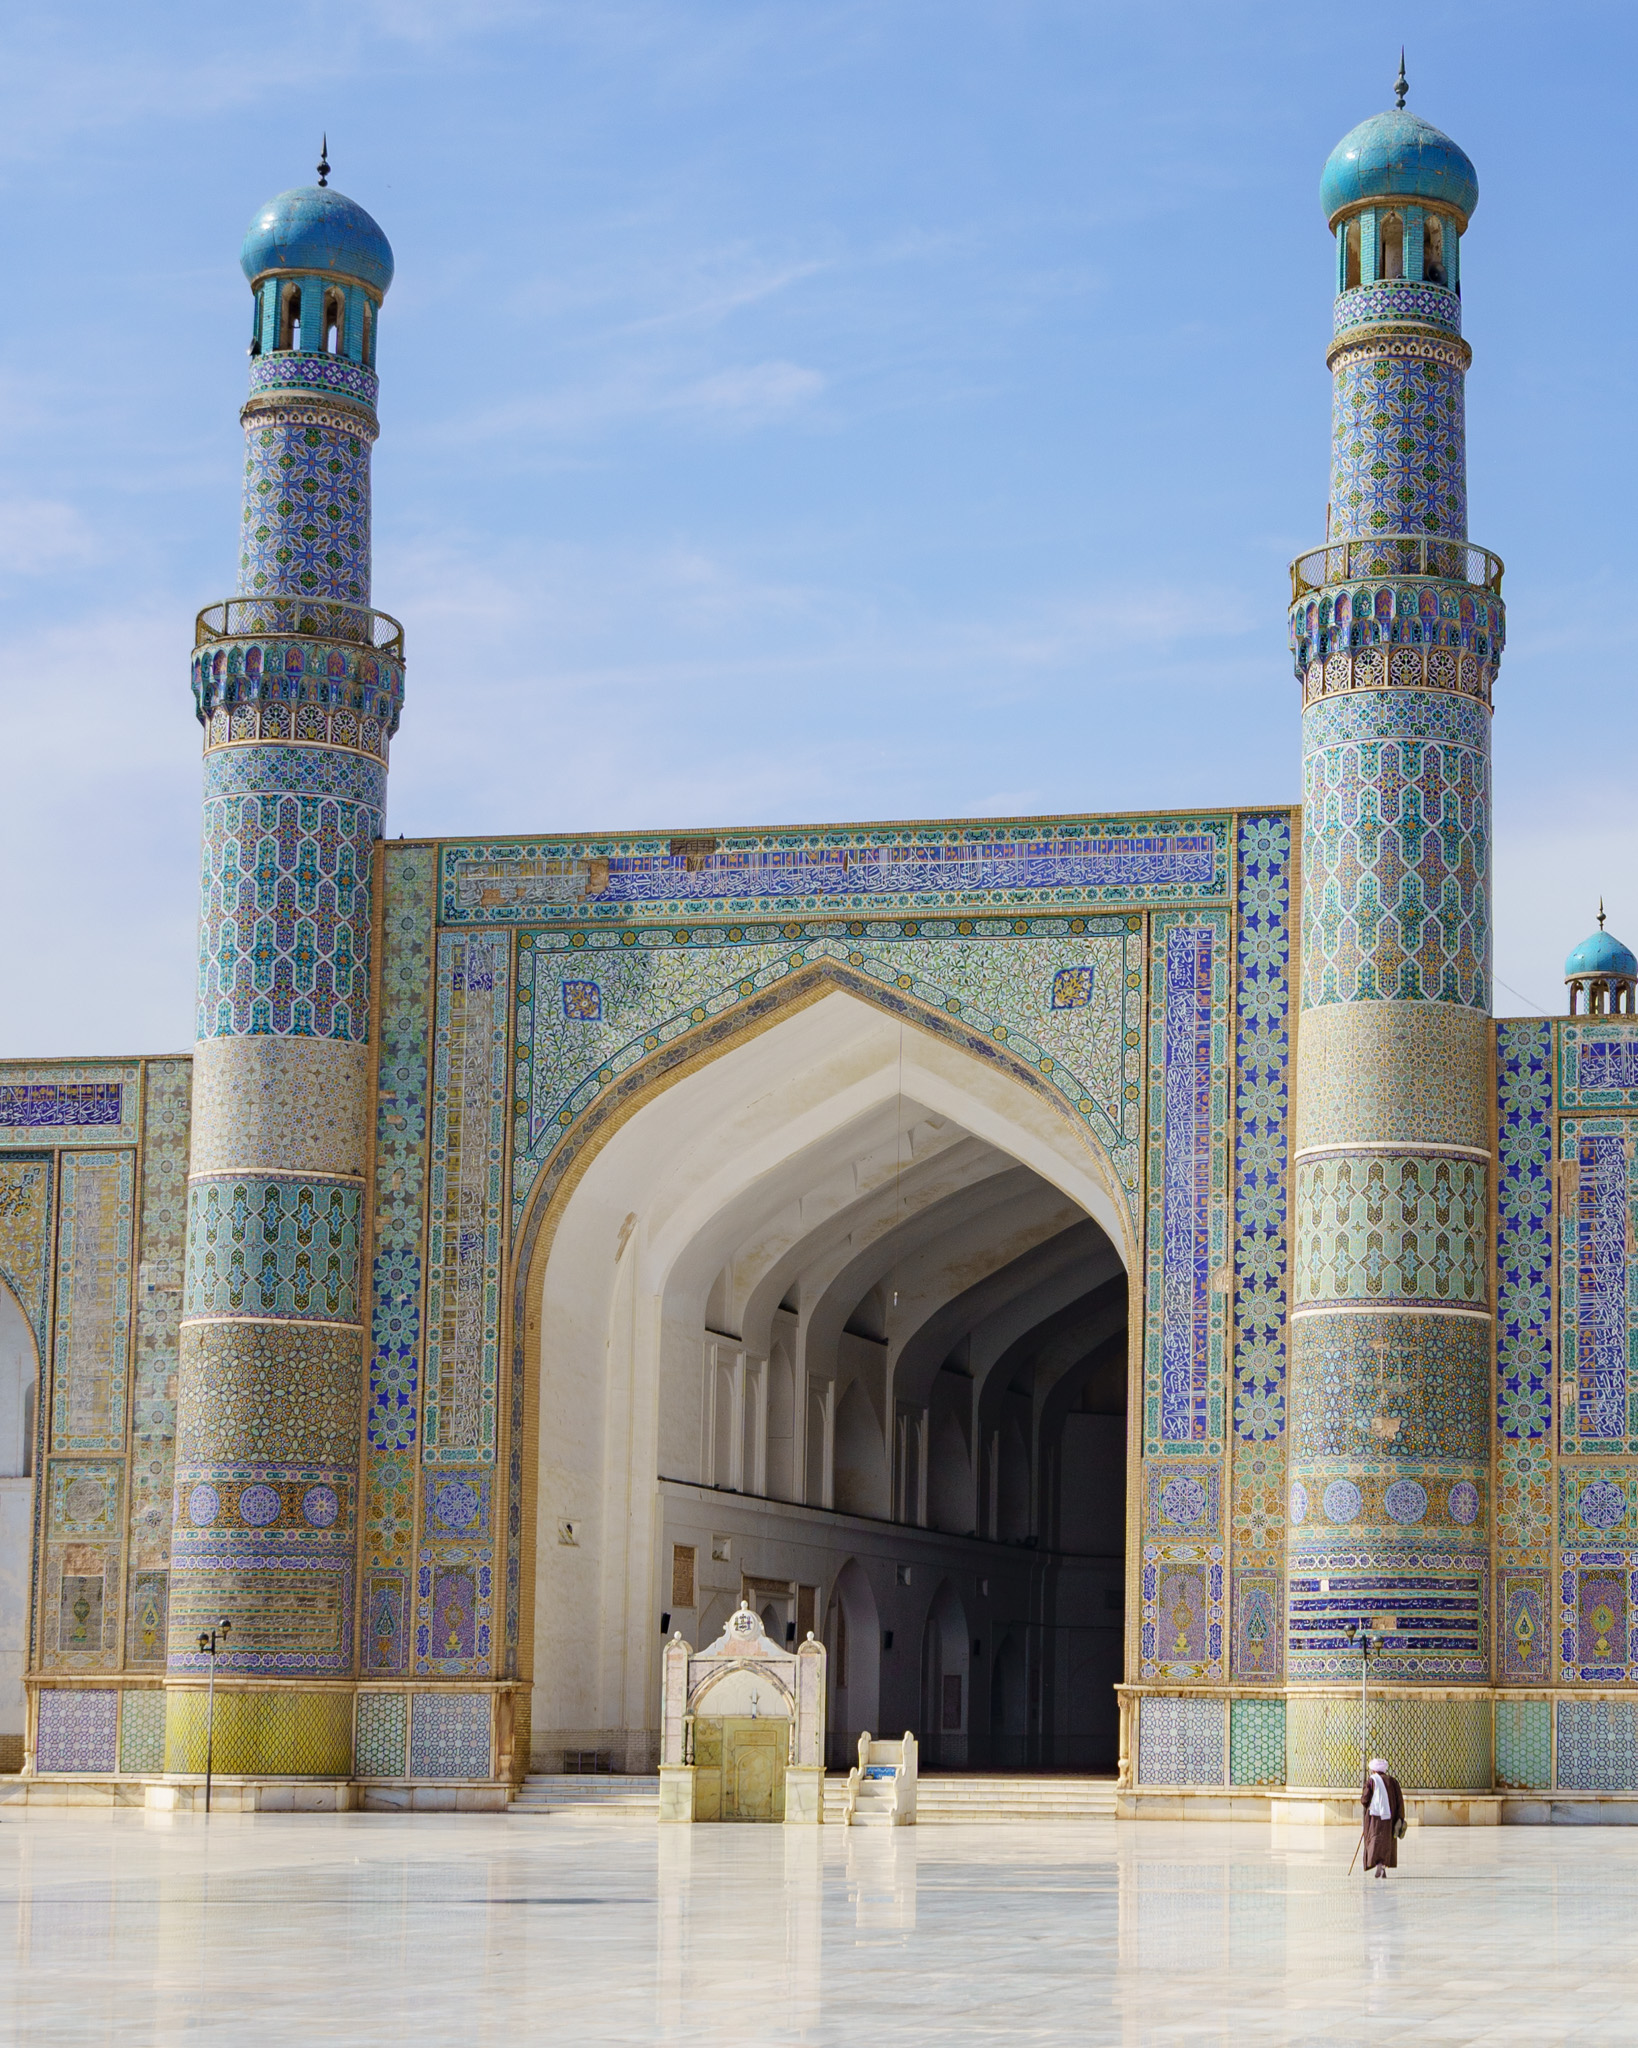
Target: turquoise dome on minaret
point(314, 231)
point(1398, 155)
point(1602, 954)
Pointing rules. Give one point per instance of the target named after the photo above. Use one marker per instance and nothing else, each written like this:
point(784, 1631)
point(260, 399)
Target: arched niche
point(626, 1261)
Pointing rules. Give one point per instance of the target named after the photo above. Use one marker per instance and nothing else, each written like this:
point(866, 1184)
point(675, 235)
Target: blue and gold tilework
point(1262, 1253)
point(1398, 438)
point(1396, 899)
point(1395, 641)
point(297, 686)
point(661, 987)
point(306, 520)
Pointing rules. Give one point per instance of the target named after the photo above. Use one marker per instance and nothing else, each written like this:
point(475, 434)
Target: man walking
point(1384, 1806)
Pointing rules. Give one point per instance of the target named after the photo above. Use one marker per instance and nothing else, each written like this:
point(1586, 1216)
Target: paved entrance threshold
point(365, 1929)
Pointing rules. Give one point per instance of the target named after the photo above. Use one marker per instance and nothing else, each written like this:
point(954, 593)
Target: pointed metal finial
point(1401, 84)
point(324, 163)
point(1600, 913)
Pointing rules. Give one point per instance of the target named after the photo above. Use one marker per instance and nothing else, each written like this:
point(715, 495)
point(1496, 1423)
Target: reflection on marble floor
point(371, 1929)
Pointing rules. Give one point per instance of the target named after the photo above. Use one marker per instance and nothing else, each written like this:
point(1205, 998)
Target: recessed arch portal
point(784, 1306)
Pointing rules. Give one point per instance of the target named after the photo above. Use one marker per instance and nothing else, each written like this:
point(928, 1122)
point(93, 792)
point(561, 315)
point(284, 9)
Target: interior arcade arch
point(835, 1321)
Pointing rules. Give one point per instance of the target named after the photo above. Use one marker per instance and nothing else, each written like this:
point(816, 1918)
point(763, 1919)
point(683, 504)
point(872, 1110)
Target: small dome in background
point(1601, 955)
point(1398, 155)
point(312, 230)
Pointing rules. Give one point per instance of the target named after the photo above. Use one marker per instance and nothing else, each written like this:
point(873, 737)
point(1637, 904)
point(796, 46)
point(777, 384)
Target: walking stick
point(1360, 1633)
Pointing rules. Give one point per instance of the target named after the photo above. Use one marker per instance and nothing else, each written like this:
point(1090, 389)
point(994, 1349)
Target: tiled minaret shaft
point(298, 685)
point(1397, 630)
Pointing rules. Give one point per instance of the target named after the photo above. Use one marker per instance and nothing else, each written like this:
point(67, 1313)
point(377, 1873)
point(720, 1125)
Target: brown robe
point(1381, 1843)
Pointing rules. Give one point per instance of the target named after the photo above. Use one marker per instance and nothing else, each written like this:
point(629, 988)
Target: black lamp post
point(209, 1646)
point(1360, 1632)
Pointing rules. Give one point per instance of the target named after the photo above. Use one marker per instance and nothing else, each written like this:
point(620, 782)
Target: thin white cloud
point(37, 534)
point(751, 393)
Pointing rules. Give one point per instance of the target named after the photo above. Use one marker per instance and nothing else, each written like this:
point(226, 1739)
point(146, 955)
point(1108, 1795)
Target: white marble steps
point(975, 1797)
point(873, 1807)
point(980, 1796)
point(601, 1795)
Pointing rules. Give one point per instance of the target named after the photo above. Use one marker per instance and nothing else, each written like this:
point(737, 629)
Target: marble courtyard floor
point(374, 1929)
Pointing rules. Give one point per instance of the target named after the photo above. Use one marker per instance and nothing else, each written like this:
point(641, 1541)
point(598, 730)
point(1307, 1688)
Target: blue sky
point(788, 412)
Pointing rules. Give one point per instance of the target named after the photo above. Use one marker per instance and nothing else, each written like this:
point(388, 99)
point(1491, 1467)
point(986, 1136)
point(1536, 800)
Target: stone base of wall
point(252, 1795)
point(1533, 1745)
point(272, 1732)
point(1300, 1809)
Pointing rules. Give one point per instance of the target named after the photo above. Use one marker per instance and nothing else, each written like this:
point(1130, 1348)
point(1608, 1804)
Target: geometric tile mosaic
point(281, 1106)
point(1598, 1745)
point(382, 1734)
point(96, 1213)
point(1387, 1228)
point(1262, 1052)
point(1257, 1742)
point(1524, 1238)
point(285, 901)
point(1180, 1741)
point(1188, 1224)
point(286, 1734)
point(160, 1254)
point(1598, 1283)
point(142, 1731)
point(989, 977)
point(75, 1730)
point(396, 1341)
point(1426, 1377)
point(25, 1237)
point(449, 1735)
point(469, 1103)
point(1365, 1069)
point(401, 1152)
point(1396, 300)
point(1396, 849)
point(1432, 1743)
point(1398, 447)
point(307, 502)
point(282, 370)
point(1524, 1744)
point(274, 1393)
point(269, 1247)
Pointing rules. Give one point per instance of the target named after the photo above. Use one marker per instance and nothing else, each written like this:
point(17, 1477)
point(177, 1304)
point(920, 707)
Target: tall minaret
point(298, 685)
point(1397, 629)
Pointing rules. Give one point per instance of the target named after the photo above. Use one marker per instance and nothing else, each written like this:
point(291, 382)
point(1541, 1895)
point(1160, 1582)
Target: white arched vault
point(837, 1205)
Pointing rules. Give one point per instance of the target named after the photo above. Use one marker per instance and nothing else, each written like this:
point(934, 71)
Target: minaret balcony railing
point(1395, 554)
point(249, 618)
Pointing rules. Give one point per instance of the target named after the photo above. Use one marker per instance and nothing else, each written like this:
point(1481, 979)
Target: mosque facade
point(1105, 1277)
